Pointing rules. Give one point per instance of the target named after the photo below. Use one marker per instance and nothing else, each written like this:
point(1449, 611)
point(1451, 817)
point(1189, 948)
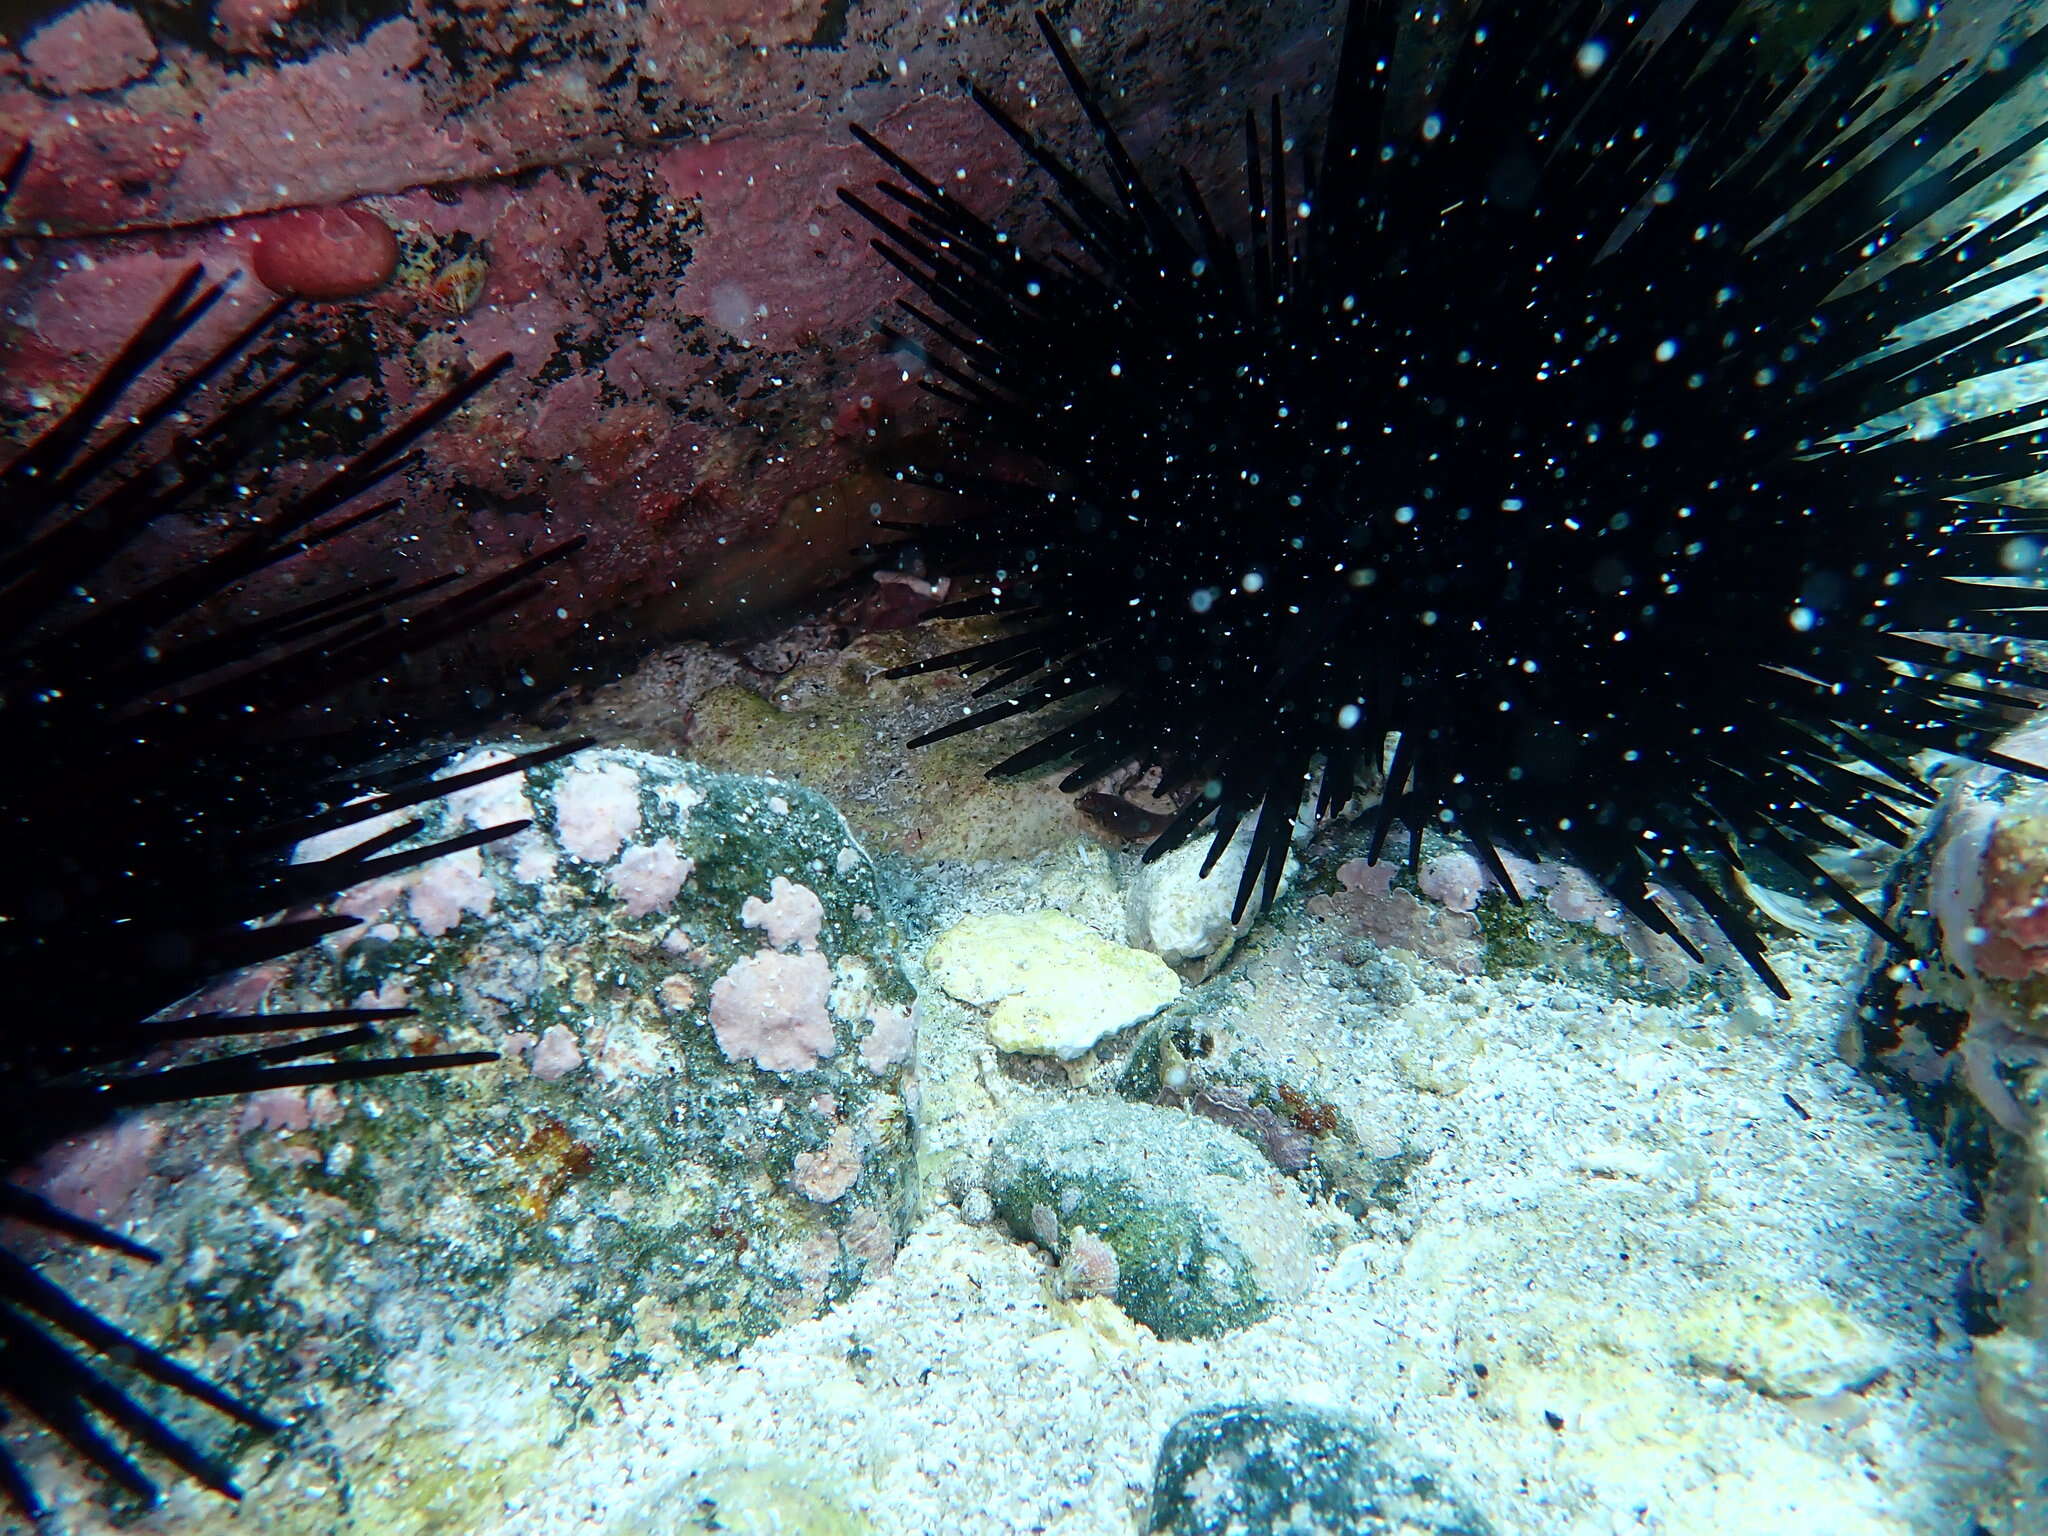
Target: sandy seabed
point(1643, 1244)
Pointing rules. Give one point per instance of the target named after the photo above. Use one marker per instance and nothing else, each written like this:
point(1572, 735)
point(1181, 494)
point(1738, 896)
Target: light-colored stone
point(1784, 1344)
point(1054, 987)
point(1182, 916)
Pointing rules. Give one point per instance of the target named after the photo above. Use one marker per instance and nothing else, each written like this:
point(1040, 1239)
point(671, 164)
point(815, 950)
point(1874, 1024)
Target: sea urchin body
point(1512, 450)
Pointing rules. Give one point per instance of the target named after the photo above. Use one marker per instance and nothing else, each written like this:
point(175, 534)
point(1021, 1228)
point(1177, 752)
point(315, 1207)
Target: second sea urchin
point(1513, 448)
point(169, 738)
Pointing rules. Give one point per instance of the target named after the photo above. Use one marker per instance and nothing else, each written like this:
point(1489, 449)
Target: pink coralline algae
point(1442, 924)
point(95, 47)
point(442, 891)
point(770, 1009)
point(891, 1035)
point(792, 915)
point(436, 895)
point(596, 811)
point(290, 1109)
point(96, 1174)
point(826, 1174)
point(649, 876)
point(322, 253)
point(1454, 880)
point(1369, 903)
point(557, 1054)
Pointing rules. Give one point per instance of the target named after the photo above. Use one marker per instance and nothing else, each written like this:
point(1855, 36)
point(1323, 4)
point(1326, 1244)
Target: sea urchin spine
point(163, 754)
point(1518, 447)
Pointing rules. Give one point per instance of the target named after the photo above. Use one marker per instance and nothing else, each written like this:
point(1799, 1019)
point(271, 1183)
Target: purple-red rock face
point(94, 47)
point(639, 203)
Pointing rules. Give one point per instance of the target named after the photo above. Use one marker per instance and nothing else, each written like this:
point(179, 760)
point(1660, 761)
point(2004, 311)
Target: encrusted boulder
point(697, 1130)
point(1280, 1469)
point(1959, 1026)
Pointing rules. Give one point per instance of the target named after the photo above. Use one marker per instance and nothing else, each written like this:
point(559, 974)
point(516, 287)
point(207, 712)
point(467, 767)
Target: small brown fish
point(1128, 821)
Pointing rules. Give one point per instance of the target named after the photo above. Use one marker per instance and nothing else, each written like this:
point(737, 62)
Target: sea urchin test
point(1512, 447)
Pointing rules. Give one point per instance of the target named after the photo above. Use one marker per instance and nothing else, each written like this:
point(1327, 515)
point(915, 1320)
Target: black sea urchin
point(162, 754)
point(1518, 444)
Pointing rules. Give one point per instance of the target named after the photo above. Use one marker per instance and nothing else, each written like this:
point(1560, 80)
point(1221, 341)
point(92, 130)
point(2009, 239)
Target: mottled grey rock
point(1273, 1102)
point(1206, 1234)
point(697, 1131)
point(1283, 1470)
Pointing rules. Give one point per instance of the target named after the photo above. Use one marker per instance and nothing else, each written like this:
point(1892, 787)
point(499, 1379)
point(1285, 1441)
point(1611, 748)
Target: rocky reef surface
point(1532, 1230)
point(637, 202)
point(698, 1131)
point(878, 1150)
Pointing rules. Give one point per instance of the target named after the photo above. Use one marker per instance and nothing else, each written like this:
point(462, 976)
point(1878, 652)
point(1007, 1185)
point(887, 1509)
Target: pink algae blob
point(250, 26)
point(597, 810)
point(557, 1055)
point(93, 48)
point(770, 1009)
point(791, 915)
point(323, 253)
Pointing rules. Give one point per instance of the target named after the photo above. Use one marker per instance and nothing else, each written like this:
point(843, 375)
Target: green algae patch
point(1506, 934)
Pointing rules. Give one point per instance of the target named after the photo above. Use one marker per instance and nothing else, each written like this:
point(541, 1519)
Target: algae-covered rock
point(2012, 1362)
point(1454, 913)
point(1053, 986)
point(1285, 1470)
point(696, 1131)
point(1206, 1236)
